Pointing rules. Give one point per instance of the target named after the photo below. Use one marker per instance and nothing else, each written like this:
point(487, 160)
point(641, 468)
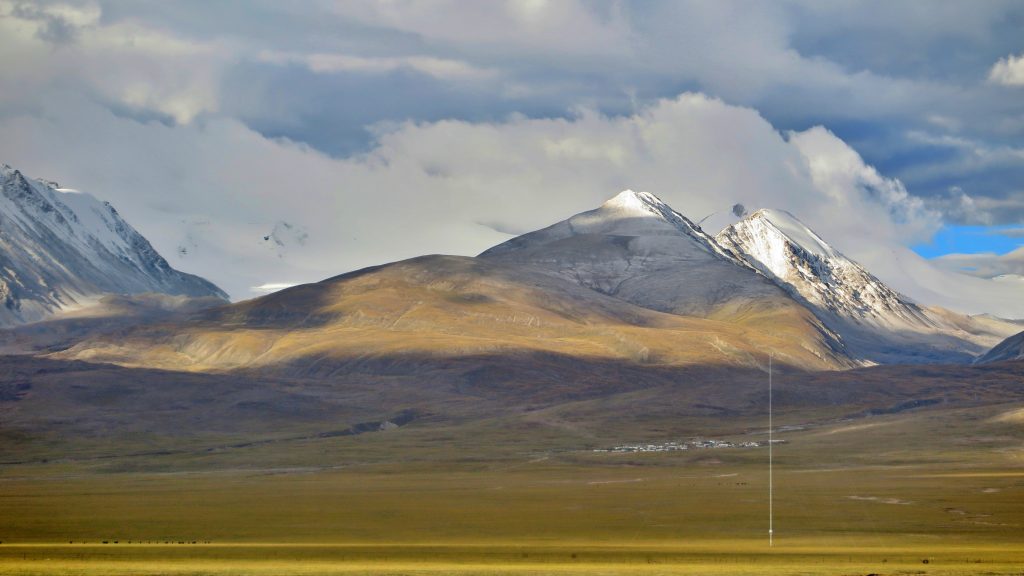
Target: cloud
point(334, 63)
point(56, 24)
point(1011, 232)
point(957, 206)
point(991, 173)
point(404, 120)
point(1008, 71)
point(839, 171)
point(985, 265)
point(537, 27)
point(426, 187)
point(52, 50)
point(932, 283)
point(321, 73)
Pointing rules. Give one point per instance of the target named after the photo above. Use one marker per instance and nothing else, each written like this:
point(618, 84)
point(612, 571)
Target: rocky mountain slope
point(60, 248)
point(636, 248)
point(876, 322)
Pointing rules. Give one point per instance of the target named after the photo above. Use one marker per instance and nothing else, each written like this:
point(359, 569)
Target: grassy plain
point(882, 469)
point(922, 492)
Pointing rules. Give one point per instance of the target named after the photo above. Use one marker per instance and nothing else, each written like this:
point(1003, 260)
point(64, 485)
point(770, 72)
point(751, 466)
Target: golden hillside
point(447, 306)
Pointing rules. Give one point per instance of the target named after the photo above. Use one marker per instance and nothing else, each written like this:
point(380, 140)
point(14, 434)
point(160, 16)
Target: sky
point(262, 144)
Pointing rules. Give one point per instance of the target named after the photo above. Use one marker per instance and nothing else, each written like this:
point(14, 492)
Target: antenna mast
point(771, 509)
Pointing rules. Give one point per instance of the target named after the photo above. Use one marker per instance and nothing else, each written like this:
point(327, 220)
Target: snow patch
point(271, 287)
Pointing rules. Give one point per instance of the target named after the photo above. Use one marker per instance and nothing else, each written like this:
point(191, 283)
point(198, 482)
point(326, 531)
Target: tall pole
point(771, 503)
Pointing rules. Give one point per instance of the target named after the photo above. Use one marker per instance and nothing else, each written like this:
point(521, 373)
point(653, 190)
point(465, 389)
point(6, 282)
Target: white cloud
point(930, 283)
point(961, 207)
point(944, 122)
point(325, 63)
point(977, 150)
point(1008, 71)
point(538, 27)
point(986, 264)
point(839, 171)
point(217, 189)
point(214, 187)
point(124, 63)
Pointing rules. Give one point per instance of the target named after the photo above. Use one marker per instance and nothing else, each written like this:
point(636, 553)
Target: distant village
point(698, 444)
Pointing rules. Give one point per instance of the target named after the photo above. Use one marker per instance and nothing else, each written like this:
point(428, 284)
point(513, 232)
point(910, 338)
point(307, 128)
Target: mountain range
point(632, 279)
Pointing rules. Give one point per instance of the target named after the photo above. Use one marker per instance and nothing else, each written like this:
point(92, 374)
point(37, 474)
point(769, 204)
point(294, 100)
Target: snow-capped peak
point(631, 212)
point(637, 203)
point(641, 216)
point(787, 251)
point(795, 230)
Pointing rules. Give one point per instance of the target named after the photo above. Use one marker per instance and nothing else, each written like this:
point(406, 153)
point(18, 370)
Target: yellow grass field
point(657, 513)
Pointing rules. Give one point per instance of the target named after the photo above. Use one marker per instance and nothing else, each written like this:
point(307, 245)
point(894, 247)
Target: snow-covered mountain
point(876, 322)
point(636, 248)
point(1010, 349)
point(60, 248)
point(791, 254)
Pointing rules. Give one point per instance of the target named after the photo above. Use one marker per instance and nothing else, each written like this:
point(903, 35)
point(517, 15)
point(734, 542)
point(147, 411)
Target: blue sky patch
point(972, 240)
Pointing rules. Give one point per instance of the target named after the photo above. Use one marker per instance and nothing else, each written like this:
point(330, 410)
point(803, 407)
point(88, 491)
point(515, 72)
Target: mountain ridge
point(617, 281)
point(878, 323)
point(1010, 349)
point(780, 246)
point(635, 247)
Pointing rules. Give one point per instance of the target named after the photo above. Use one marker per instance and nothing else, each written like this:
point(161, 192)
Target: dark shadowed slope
point(1010, 349)
point(475, 406)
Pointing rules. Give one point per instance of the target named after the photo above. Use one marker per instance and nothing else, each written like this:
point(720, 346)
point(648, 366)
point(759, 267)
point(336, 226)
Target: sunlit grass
point(714, 557)
point(664, 516)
